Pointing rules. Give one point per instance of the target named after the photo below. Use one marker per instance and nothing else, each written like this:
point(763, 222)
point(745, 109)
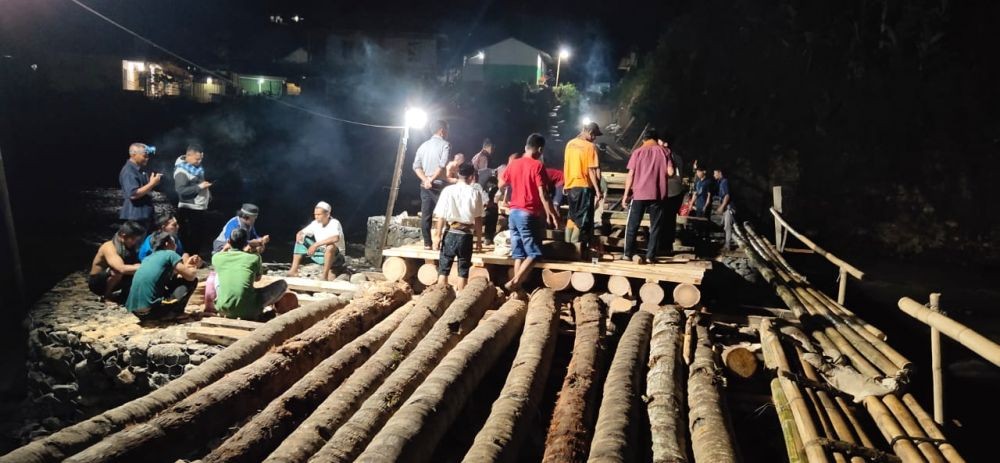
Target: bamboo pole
point(931, 428)
point(775, 357)
point(976, 342)
point(912, 428)
point(852, 270)
point(793, 442)
point(841, 285)
point(890, 429)
point(397, 174)
point(840, 426)
point(936, 376)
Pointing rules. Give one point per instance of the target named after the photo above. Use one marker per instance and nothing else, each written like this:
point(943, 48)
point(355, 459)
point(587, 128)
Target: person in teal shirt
point(164, 282)
point(236, 271)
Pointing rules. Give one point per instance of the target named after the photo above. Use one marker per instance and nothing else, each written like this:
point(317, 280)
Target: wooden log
point(309, 396)
point(568, 438)
point(427, 274)
point(689, 340)
point(398, 268)
point(582, 281)
point(793, 442)
point(245, 325)
point(58, 446)
point(686, 295)
point(212, 409)
point(711, 433)
point(652, 292)
point(216, 335)
point(740, 361)
point(557, 280)
point(416, 428)
point(616, 434)
point(619, 285)
point(460, 318)
point(666, 388)
point(506, 427)
point(620, 305)
point(480, 272)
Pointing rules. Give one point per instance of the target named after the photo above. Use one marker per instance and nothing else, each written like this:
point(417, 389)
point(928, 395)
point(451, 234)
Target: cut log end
point(651, 292)
point(427, 274)
point(619, 286)
point(686, 295)
point(558, 281)
point(582, 281)
point(740, 361)
point(397, 269)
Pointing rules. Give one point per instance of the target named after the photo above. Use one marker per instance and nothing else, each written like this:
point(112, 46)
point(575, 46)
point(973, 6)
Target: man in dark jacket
point(137, 186)
point(193, 195)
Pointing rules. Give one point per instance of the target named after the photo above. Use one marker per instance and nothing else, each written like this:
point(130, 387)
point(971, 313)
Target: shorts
point(526, 234)
point(339, 262)
point(98, 282)
point(456, 245)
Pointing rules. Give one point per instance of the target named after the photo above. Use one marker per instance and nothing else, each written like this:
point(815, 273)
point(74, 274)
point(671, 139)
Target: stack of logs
point(845, 340)
point(386, 376)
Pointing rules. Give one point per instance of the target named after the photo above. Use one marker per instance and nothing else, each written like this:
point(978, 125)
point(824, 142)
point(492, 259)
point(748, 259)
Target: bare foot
point(293, 274)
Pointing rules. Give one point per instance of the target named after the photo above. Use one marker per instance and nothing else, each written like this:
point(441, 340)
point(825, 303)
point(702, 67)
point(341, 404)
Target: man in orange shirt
point(582, 180)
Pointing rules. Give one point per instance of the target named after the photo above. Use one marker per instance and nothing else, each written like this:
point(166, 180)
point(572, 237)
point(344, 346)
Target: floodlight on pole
point(413, 118)
point(563, 54)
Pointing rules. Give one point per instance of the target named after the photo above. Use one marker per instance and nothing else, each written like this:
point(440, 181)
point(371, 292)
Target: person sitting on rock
point(115, 263)
point(164, 283)
point(245, 219)
point(165, 223)
point(322, 241)
point(236, 271)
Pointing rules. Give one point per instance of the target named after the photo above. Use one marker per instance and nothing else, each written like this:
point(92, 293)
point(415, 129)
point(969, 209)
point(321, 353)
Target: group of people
point(462, 197)
point(149, 268)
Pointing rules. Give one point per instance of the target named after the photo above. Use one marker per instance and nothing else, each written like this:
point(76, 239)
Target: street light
point(415, 118)
point(586, 120)
point(563, 54)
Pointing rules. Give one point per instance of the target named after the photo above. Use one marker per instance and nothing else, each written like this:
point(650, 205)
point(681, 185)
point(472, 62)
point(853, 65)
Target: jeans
point(526, 233)
point(428, 199)
point(727, 224)
point(192, 232)
point(455, 245)
point(637, 208)
point(490, 222)
point(671, 206)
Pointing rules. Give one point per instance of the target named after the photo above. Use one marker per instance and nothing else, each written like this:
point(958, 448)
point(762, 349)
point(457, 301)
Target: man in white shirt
point(460, 208)
point(322, 241)
point(429, 166)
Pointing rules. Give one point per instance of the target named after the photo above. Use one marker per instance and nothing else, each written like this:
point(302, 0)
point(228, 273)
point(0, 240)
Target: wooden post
point(15, 253)
point(936, 376)
point(397, 175)
point(778, 235)
point(842, 289)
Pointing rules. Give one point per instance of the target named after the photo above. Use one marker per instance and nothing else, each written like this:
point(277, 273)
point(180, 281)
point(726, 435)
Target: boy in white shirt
point(322, 241)
point(461, 208)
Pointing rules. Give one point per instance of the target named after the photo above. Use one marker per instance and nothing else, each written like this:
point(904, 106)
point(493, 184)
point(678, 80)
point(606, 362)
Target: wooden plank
point(236, 324)
point(218, 336)
point(315, 286)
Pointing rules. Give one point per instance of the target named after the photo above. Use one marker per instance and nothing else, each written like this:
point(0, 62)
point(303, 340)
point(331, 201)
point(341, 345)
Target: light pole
point(563, 54)
point(417, 119)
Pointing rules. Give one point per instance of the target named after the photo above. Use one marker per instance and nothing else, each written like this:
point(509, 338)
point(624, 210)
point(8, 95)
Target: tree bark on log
point(416, 428)
point(711, 434)
point(504, 430)
point(265, 432)
point(461, 317)
point(209, 411)
point(568, 438)
point(616, 433)
point(77, 437)
point(557, 280)
point(666, 386)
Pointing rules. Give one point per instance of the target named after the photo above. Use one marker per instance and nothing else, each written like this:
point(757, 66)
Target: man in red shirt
point(557, 180)
point(528, 201)
point(646, 190)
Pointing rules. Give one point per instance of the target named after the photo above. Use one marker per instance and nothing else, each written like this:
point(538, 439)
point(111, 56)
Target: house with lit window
point(509, 60)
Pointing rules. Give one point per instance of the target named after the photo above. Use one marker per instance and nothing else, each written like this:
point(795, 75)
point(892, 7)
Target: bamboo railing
point(844, 267)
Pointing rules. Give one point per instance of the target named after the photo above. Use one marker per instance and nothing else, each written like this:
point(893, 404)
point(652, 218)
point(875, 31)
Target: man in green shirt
point(164, 282)
point(236, 271)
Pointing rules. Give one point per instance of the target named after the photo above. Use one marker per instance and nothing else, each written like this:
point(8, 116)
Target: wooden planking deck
point(679, 271)
point(316, 286)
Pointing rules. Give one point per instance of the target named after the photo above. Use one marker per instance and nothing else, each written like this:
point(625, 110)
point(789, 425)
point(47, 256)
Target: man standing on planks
point(529, 199)
point(582, 180)
point(461, 207)
point(645, 191)
point(429, 165)
point(725, 209)
point(137, 186)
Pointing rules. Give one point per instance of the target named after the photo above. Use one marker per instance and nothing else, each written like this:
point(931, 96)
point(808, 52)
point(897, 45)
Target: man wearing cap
point(245, 219)
point(137, 186)
point(322, 241)
point(581, 183)
point(429, 166)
